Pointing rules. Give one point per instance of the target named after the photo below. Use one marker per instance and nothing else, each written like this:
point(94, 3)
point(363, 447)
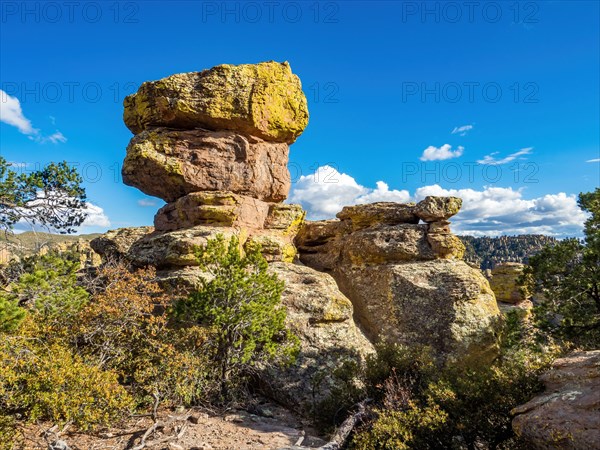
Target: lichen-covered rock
point(444, 304)
point(285, 217)
point(275, 245)
point(115, 244)
point(567, 414)
point(213, 208)
point(435, 209)
point(447, 246)
point(385, 244)
point(405, 280)
point(504, 282)
point(264, 100)
point(321, 317)
point(382, 213)
point(176, 248)
point(522, 308)
point(170, 164)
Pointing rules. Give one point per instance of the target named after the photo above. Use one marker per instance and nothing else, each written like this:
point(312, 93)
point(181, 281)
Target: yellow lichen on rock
point(264, 100)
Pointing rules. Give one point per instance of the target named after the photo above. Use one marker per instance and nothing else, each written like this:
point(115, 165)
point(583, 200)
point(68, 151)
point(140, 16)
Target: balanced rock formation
point(567, 414)
point(215, 145)
point(406, 280)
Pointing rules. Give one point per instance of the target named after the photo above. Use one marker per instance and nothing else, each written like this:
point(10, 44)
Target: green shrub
point(568, 277)
point(420, 405)
point(11, 314)
point(49, 382)
point(125, 329)
point(239, 303)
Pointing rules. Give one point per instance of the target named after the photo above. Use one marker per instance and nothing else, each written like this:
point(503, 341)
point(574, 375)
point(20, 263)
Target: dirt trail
point(270, 427)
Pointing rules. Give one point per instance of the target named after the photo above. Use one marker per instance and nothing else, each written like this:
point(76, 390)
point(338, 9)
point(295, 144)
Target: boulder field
point(215, 145)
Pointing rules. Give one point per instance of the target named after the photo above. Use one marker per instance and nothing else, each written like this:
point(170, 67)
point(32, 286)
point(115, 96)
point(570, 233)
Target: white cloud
point(56, 138)
point(491, 158)
point(325, 192)
point(593, 160)
point(432, 153)
point(146, 202)
point(491, 211)
point(462, 130)
point(11, 113)
point(495, 211)
point(96, 218)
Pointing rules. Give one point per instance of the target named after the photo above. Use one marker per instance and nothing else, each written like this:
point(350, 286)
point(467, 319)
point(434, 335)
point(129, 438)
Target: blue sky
point(508, 93)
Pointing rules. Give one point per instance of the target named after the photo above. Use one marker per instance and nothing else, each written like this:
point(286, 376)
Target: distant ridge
point(487, 252)
point(30, 242)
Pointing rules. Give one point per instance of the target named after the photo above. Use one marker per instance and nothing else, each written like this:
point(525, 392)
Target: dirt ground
point(267, 427)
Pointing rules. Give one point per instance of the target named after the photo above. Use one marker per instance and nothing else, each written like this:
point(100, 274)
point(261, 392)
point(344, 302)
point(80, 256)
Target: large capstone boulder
point(264, 100)
point(321, 317)
point(172, 163)
point(435, 209)
point(567, 414)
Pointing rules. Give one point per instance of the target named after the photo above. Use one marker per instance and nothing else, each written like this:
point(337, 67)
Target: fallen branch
point(343, 432)
point(144, 443)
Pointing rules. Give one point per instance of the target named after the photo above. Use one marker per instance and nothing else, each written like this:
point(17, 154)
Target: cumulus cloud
point(432, 153)
point(11, 113)
point(462, 130)
point(145, 202)
point(491, 211)
point(96, 217)
point(491, 158)
point(325, 192)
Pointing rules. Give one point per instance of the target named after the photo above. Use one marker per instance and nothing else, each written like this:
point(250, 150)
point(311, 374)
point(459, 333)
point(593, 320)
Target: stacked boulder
point(214, 145)
point(406, 279)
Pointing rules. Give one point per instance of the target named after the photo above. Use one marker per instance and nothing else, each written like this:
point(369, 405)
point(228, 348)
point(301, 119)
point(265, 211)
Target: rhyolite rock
point(567, 414)
point(385, 213)
point(215, 208)
point(446, 245)
point(444, 304)
point(176, 248)
point(321, 316)
point(406, 280)
point(264, 100)
point(504, 282)
point(115, 244)
point(172, 163)
point(275, 245)
point(285, 217)
point(435, 209)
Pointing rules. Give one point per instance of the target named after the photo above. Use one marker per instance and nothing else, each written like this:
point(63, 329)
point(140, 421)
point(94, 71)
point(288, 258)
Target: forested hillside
point(489, 251)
